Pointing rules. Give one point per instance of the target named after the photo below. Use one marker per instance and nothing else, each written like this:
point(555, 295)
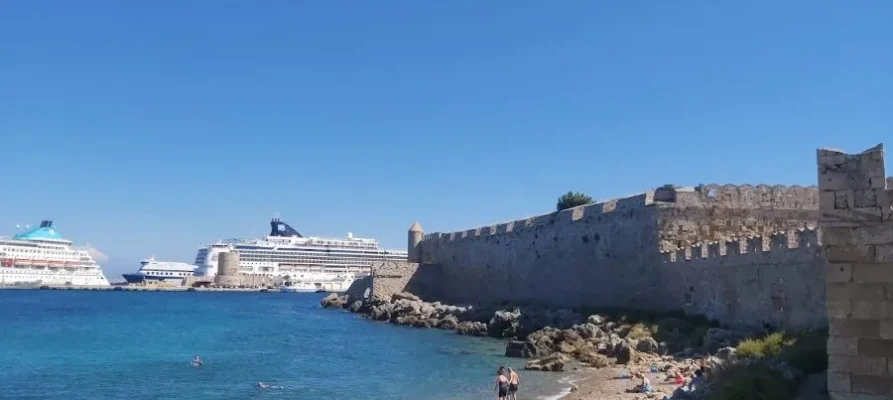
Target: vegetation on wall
point(573, 199)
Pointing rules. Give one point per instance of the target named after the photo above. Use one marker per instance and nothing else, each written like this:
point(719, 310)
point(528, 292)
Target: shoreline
point(124, 288)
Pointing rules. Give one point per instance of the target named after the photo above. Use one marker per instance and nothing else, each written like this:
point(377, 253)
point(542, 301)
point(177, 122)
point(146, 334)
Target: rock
point(504, 324)
point(355, 306)
point(717, 338)
point(333, 300)
point(602, 348)
point(727, 354)
point(472, 328)
point(544, 341)
point(589, 331)
point(593, 358)
point(405, 296)
point(648, 345)
point(420, 322)
point(520, 349)
point(448, 322)
point(663, 348)
point(566, 347)
point(553, 362)
point(596, 319)
point(623, 353)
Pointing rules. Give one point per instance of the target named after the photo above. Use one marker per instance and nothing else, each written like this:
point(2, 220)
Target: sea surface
point(76, 345)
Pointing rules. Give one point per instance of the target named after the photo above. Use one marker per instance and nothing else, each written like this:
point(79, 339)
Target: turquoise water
point(137, 345)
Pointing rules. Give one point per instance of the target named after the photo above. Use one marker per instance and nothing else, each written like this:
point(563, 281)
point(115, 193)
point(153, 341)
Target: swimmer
point(197, 361)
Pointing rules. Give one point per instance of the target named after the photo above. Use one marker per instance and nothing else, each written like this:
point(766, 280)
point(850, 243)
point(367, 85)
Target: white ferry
point(41, 256)
point(286, 253)
point(152, 271)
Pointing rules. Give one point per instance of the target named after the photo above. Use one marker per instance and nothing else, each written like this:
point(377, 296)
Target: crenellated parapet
point(804, 240)
point(748, 197)
point(580, 214)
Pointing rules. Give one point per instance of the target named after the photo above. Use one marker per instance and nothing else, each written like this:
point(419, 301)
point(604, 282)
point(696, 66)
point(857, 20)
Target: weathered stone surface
point(554, 362)
point(472, 328)
point(333, 300)
point(648, 345)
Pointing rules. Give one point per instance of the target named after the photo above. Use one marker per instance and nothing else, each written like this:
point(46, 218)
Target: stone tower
point(857, 235)
point(415, 238)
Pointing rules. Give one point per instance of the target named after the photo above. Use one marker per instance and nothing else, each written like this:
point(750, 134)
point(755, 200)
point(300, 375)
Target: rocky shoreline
point(558, 340)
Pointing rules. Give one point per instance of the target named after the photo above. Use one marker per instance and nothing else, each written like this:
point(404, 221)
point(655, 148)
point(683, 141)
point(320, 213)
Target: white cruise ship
point(160, 271)
point(41, 256)
point(288, 254)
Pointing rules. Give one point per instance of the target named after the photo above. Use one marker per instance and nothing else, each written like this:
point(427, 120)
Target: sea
point(77, 345)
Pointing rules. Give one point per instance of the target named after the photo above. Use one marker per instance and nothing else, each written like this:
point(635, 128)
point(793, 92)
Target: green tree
point(573, 199)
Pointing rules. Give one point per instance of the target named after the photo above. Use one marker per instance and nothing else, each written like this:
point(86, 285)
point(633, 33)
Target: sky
point(149, 128)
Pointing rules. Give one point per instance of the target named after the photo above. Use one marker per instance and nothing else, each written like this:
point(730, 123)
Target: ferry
point(40, 256)
point(152, 271)
point(285, 253)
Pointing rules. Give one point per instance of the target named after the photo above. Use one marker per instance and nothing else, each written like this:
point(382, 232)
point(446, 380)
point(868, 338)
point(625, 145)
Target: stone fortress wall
point(857, 225)
point(614, 254)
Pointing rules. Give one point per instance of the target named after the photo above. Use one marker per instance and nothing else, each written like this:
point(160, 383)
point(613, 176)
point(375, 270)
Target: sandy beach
point(606, 384)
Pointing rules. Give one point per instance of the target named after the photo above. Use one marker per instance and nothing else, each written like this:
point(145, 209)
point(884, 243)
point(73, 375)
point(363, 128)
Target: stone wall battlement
point(747, 196)
point(585, 213)
point(777, 245)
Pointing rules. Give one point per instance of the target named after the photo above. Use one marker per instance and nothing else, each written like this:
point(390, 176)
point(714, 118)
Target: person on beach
point(502, 384)
point(514, 383)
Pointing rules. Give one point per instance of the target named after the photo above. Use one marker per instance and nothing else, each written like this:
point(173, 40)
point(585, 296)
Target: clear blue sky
point(151, 127)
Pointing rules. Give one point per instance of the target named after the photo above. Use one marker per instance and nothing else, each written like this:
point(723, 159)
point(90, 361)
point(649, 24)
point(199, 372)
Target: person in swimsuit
point(514, 382)
point(197, 361)
point(502, 384)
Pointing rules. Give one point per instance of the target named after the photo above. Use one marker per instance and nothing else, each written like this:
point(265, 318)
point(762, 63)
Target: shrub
point(750, 382)
point(807, 352)
point(573, 199)
point(767, 346)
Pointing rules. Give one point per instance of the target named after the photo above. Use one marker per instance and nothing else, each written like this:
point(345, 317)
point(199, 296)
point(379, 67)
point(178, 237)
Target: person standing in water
point(502, 384)
point(514, 382)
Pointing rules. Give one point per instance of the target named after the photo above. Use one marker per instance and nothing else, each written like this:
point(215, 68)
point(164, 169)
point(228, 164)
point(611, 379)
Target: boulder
point(596, 320)
point(648, 345)
point(554, 362)
point(504, 324)
point(333, 300)
point(472, 328)
point(588, 331)
point(623, 353)
point(520, 349)
point(717, 338)
point(544, 342)
point(355, 306)
point(727, 354)
point(448, 322)
point(593, 358)
point(405, 296)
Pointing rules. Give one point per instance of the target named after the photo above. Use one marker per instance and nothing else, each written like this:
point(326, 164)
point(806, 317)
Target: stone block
point(884, 253)
point(856, 292)
point(873, 273)
point(839, 273)
point(870, 309)
point(885, 329)
point(849, 253)
point(839, 382)
point(843, 199)
point(874, 234)
point(839, 236)
point(826, 200)
point(869, 384)
point(855, 396)
point(873, 366)
point(876, 347)
point(856, 217)
point(862, 328)
point(843, 346)
point(840, 309)
point(865, 198)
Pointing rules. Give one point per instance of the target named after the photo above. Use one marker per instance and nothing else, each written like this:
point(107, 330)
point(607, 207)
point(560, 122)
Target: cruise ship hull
point(61, 277)
point(140, 278)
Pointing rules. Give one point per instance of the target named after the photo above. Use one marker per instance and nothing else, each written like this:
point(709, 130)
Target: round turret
point(415, 238)
point(228, 263)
